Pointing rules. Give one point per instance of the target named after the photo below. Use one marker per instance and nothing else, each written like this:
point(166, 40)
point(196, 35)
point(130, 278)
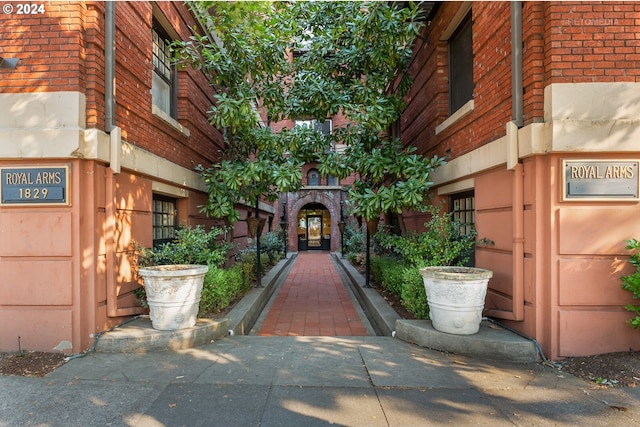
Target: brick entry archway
point(329, 198)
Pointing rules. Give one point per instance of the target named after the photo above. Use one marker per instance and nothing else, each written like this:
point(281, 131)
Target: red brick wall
point(592, 42)
point(427, 102)
point(94, 80)
point(50, 45)
point(533, 57)
point(563, 42)
point(62, 49)
point(133, 91)
point(491, 75)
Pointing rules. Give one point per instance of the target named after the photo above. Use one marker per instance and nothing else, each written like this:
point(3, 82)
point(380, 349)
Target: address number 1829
point(33, 193)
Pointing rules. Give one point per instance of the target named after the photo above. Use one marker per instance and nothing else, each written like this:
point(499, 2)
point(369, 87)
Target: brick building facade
point(550, 88)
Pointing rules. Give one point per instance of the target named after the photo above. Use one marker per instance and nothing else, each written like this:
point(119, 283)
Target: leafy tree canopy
point(309, 60)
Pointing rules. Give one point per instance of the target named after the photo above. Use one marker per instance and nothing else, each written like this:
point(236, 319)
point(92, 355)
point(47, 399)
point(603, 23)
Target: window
point(321, 127)
point(463, 210)
point(462, 207)
point(395, 130)
point(164, 76)
point(164, 219)
point(313, 177)
point(461, 65)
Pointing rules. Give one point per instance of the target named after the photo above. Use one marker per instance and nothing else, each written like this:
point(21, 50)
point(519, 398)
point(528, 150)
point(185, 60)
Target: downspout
point(513, 164)
point(109, 63)
point(114, 167)
point(517, 91)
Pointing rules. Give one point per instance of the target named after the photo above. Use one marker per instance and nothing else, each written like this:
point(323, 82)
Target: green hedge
point(220, 288)
point(403, 281)
point(414, 297)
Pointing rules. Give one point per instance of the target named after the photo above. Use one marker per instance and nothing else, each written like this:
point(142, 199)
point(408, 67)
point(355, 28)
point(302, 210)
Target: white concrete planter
point(456, 297)
point(173, 293)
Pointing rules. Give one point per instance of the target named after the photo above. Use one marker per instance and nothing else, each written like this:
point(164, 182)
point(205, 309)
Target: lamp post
point(255, 226)
point(283, 225)
point(372, 226)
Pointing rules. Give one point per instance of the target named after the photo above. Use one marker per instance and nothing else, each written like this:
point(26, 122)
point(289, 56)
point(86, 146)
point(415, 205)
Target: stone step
point(492, 342)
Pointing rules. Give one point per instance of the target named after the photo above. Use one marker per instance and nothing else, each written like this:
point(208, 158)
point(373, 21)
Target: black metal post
point(368, 260)
point(284, 226)
point(341, 226)
point(259, 263)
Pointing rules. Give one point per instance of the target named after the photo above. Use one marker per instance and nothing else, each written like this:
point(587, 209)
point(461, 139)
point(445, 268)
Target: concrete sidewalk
point(308, 381)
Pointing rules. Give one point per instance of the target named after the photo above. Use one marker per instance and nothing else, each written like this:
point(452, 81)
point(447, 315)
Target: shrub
point(403, 281)
point(356, 259)
point(631, 282)
point(272, 244)
point(388, 273)
point(441, 244)
point(393, 277)
point(413, 295)
point(193, 246)
point(220, 288)
point(377, 266)
point(354, 239)
point(246, 258)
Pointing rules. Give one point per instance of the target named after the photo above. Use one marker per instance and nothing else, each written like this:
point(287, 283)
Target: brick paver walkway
point(312, 302)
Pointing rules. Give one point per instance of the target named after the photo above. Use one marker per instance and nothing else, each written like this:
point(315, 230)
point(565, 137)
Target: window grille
point(462, 207)
point(164, 219)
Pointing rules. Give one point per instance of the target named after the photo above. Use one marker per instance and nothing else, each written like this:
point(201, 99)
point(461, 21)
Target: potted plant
point(456, 297)
point(455, 293)
point(173, 275)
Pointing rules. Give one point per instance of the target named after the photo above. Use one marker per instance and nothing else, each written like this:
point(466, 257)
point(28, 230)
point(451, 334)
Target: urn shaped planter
point(456, 297)
point(173, 293)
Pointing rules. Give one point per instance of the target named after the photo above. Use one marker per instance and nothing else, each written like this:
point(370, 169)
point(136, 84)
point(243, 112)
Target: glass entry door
point(314, 231)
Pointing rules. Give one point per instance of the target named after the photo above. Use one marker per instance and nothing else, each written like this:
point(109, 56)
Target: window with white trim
point(164, 76)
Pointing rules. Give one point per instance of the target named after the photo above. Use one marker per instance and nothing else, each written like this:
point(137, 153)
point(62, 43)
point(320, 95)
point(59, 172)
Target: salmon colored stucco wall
point(574, 255)
point(40, 287)
point(587, 258)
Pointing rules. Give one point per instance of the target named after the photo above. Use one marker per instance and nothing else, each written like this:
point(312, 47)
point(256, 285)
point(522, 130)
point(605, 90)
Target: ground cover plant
point(631, 282)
